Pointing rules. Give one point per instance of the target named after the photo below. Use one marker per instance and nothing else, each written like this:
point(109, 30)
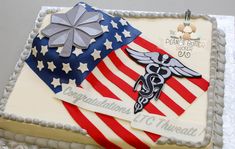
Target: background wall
point(17, 19)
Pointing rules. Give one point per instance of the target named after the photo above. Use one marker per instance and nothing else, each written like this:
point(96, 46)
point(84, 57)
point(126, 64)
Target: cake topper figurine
point(159, 68)
point(74, 28)
point(187, 30)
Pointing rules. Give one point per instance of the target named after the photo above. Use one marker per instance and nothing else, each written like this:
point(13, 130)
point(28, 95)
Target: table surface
point(17, 20)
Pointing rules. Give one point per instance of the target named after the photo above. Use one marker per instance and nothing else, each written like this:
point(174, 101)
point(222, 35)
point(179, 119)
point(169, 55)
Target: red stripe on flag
point(120, 83)
point(178, 87)
point(148, 45)
point(172, 82)
point(129, 90)
point(117, 81)
point(163, 97)
point(110, 121)
point(104, 91)
point(171, 104)
point(125, 87)
point(86, 124)
point(153, 136)
point(122, 132)
point(200, 82)
point(118, 63)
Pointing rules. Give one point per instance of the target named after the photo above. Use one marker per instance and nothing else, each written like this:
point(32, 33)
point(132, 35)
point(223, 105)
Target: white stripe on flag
point(190, 86)
point(118, 73)
point(194, 89)
point(129, 63)
point(175, 96)
point(114, 89)
point(139, 134)
point(164, 108)
point(158, 104)
point(168, 90)
point(136, 47)
point(100, 125)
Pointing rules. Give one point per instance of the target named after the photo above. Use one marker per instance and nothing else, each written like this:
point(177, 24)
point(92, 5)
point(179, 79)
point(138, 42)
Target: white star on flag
point(51, 66)
point(34, 51)
point(123, 22)
point(126, 33)
point(118, 37)
point(108, 44)
point(114, 24)
point(72, 82)
point(55, 82)
point(44, 50)
point(92, 40)
point(105, 28)
point(40, 65)
point(83, 67)
point(66, 67)
point(96, 54)
point(77, 51)
point(59, 49)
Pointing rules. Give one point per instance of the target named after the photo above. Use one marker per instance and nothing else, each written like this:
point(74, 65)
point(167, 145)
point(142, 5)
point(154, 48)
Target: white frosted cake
point(117, 79)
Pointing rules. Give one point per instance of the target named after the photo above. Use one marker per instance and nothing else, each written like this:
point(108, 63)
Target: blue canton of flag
point(54, 69)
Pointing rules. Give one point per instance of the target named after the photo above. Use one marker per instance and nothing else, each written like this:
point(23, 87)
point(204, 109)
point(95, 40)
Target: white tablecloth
point(226, 23)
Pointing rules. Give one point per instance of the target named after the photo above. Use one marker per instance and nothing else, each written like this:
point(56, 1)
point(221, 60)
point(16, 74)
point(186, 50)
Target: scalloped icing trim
point(42, 142)
point(214, 130)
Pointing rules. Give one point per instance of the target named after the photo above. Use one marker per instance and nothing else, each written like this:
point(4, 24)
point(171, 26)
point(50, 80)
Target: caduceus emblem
point(159, 68)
